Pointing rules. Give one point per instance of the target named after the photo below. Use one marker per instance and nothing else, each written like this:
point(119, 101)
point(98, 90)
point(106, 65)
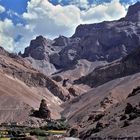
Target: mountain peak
point(39, 41)
point(133, 13)
point(36, 48)
point(40, 37)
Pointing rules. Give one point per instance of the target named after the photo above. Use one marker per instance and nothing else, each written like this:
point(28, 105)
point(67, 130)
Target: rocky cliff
point(108, 41)
point(126, 66)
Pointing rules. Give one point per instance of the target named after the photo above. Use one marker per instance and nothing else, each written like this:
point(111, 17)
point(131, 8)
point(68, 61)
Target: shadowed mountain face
point(133, 13)
point(106, 41)
point(110, 40)
point(127, 66)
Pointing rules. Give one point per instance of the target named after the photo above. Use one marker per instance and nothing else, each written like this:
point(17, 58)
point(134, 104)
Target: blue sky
point(22, 20)
point(20, 6)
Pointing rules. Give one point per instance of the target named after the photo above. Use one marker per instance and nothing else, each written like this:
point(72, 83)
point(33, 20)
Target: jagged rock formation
point(37, 49)
point(110, 40)
point(44, 111)
point(128, 65)
point(133, 13)
point(105, 41)
point(61, 41)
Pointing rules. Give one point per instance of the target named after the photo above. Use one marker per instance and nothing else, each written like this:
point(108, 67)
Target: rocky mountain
point(105, 42)
point(91, 78)
point(110, 40)
point(124, 67)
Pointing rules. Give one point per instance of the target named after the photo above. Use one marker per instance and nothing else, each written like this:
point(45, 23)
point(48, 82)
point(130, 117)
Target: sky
point(23, 20)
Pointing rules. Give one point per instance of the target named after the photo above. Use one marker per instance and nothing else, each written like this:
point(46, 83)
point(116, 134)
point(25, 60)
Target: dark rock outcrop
point(134, 92)
point(44, 111)
point(37, 48)
point(133, 13)
point(60, 41)
point(129, 108)
point(57, 78)
point(73, 132)
point(72, 92)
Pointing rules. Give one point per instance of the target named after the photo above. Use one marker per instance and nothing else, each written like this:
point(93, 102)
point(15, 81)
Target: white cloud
point(49, 20)
point(9, 32)
point(11, 13)
point(104, 12)
point(5, 29)
point(83, 4)
point(2, 9)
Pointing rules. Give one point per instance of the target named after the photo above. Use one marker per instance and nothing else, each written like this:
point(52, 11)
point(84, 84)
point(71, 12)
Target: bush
point(126, 123)
point(123, 117)
point(129, 108)
point(56, 125)
point(57, 78)
point(132, 116)
point(134, 92)
point(98, 117)
point(26, 138)
point(38, 132)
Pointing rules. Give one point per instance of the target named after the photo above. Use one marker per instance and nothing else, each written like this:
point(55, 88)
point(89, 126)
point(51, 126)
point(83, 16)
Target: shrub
point(126, 123)
point(56, 125)
point(38, 132)
point(123, 117)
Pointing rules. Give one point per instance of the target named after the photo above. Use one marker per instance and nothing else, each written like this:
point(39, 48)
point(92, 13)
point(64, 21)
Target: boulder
point(129, 108)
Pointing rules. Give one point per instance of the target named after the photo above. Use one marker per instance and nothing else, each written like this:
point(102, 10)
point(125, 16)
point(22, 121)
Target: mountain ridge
point(106, 41)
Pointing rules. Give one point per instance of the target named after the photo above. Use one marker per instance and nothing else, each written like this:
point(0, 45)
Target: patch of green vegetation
point(52, 127)
point(56, 132)
point(4, 138)
point(38, 132)
point(41, 138)
point(56, 125)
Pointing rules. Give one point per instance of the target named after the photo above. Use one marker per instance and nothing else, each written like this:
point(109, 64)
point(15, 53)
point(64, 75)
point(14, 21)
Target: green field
point(56, 132)
point(4, 138)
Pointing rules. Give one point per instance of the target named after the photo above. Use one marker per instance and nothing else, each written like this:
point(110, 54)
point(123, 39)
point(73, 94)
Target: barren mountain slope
point(103, 99)
point(22, 88)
